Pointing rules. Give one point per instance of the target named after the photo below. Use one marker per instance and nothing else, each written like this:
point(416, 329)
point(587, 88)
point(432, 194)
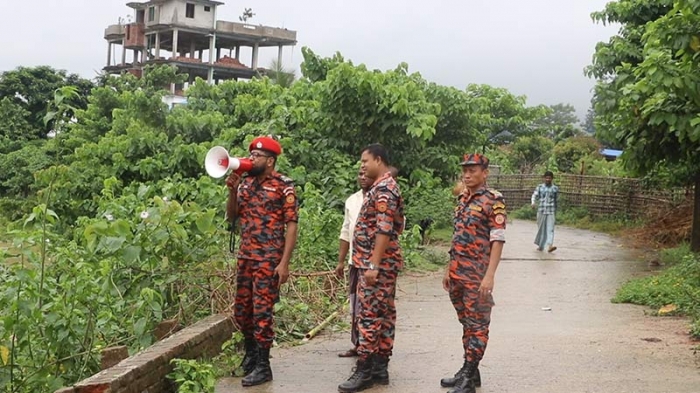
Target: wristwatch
point(372, 267)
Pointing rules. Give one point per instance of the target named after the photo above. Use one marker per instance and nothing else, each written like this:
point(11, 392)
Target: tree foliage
point(648, 91)
point(120, 205)
point(31, 89)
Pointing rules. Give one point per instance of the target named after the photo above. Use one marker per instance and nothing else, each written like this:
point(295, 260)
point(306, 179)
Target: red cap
point(266, 143)
point(475, 159)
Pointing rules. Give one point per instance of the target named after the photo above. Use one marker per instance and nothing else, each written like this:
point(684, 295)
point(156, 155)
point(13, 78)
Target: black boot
point(449, 382)
point(251, 356)
point(262, 372)
point(464, 385)
point(361, 378)
point(380, 370)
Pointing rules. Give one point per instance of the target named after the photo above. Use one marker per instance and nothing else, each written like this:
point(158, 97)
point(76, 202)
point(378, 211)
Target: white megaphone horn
point(218, 162)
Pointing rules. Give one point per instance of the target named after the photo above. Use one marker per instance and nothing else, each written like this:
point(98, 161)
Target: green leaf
point(110, 244)
point(140, 327)
point(132, 254)
point(205, 222)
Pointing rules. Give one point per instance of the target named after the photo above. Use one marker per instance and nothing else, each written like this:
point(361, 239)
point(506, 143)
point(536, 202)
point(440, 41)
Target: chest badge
point(475, 208)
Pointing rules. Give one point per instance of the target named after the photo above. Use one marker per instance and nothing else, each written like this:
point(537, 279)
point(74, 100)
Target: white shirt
point(352, 209)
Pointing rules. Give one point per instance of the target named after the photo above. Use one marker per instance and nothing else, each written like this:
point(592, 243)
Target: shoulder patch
point(495, 192)
point(286, 179)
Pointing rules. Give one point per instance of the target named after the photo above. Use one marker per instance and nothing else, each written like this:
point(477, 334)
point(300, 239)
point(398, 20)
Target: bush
point(678, 285)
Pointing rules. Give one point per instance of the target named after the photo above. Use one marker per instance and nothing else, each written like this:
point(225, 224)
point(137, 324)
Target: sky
point(536, 48)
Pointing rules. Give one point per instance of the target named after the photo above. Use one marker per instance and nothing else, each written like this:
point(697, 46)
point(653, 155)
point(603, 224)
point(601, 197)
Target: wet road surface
point(584, 344)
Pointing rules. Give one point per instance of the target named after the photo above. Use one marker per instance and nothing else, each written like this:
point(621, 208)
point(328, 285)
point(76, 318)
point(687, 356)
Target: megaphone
point(218, 162)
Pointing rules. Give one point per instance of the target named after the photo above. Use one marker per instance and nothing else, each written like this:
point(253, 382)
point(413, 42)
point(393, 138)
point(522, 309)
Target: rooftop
point(146, 4)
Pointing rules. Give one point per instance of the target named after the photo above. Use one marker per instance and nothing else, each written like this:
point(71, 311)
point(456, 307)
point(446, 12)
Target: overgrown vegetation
point(112, 225)
point(674, 291)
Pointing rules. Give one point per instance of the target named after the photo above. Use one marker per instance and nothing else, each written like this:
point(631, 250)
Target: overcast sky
point(536, 48)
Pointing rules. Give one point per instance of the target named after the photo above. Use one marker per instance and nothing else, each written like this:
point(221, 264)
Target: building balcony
point(273, 35)
point(114, 32)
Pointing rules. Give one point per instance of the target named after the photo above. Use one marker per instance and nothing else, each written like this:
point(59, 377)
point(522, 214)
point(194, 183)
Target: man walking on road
point(546, 193)
point(477, 243)
point(377, 255)
point(352, 209)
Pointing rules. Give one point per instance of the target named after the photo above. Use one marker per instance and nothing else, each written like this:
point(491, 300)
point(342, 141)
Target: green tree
point(588, 123)
point(32, 88)
point(648, 91)
point(499, 115)
point(14, 127)
point(531, 150)
point(569, 152)
point(280, 75)
point(559, 122)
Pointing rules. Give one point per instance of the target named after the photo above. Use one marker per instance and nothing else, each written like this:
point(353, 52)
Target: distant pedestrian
point(546, 194)
point(477, 243)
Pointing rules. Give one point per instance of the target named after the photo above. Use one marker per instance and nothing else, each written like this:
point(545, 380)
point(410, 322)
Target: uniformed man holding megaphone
point(266, 206)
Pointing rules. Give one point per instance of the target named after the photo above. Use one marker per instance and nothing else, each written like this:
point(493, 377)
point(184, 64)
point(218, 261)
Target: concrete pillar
point(210, 75)
point(157, 44)
point(136, 56)
point(192, 50)
point(175, 38)
point(109, 54)
point(279, 56)
point(238, 52)
point(254, 63)
point(201, 54)
point(212, 54)
point(123, 50)
point(212, 49)
point(218, 53)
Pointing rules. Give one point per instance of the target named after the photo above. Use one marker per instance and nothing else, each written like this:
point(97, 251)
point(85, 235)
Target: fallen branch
point(320, 327)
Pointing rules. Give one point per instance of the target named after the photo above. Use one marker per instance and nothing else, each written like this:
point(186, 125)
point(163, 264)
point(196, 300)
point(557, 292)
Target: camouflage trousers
point(257, 291)
point(376, 322)
point(474, 313)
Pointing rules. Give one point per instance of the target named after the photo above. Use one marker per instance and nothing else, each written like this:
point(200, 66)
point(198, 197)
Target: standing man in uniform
point(477, 243)
point(266, 204)
point(377, 255)
point(352, 209)
point(546, 194)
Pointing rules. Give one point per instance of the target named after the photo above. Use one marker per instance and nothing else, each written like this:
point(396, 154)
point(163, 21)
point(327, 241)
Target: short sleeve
point(386, 204)
point(345, 229)
point(290, 205)
point(497, 220)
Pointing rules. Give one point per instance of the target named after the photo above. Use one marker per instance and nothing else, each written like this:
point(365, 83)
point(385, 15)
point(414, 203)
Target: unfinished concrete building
point(187, 34)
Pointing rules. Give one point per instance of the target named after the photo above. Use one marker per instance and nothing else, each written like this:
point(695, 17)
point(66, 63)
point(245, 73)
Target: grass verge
point(674, 291)
point(580, 218)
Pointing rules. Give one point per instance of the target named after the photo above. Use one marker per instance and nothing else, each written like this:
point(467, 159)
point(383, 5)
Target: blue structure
point(611, 154)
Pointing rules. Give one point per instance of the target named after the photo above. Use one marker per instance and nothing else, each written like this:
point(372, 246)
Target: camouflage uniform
point(381, 213)
point(264, 208)
point(480, 218)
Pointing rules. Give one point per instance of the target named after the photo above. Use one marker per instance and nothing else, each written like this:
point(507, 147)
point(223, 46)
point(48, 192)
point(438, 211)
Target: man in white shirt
point(352, 209)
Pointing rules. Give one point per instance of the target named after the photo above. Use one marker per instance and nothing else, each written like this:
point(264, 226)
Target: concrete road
point(584, 344)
